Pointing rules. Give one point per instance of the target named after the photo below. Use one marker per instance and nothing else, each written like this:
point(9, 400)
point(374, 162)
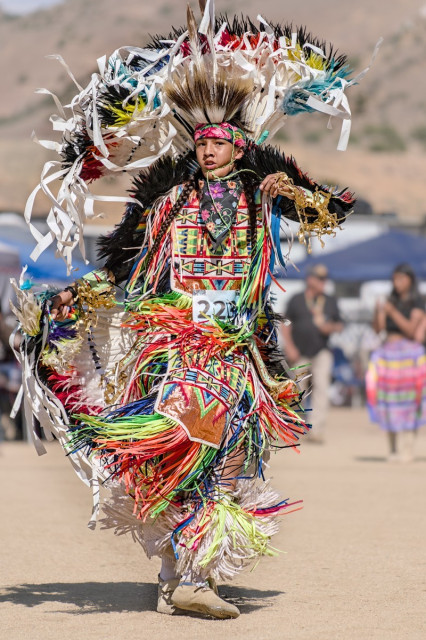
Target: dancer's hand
point(60, 305)
point(278, 184)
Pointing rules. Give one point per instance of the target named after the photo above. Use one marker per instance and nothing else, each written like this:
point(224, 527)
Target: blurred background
point(384, 163)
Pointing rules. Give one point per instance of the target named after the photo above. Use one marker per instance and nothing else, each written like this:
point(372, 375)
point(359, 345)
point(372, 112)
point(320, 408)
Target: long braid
point(186, 191)
point(250, 185)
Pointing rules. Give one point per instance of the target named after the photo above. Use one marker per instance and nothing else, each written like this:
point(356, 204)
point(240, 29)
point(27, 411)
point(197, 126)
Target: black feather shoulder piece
point(118, 249)
point(267, 159)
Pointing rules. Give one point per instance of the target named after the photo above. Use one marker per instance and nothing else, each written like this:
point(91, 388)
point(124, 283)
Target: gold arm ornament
point(89, 300)
point(322, 223)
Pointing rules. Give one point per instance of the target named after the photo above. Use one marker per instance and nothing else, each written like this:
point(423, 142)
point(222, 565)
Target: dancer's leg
point(168, 580)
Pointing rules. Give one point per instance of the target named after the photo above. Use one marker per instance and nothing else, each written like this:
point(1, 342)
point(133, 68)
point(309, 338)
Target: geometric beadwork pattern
point(195, 265)
point(202, 395)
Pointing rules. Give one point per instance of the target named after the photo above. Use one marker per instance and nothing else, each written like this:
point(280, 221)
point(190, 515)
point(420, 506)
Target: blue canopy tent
point(373, 259)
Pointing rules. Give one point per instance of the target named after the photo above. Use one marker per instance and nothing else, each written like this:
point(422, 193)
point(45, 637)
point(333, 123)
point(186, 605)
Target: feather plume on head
point(202, 91)
point(200, 98)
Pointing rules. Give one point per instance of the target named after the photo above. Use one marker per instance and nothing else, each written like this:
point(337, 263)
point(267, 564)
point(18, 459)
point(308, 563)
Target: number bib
point(207, 303)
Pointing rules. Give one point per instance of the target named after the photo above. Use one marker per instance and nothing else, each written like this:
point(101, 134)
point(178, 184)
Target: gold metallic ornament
point(311, 224)
point(89, 300)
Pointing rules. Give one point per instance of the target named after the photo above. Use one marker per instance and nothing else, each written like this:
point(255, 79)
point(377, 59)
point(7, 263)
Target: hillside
point(388, 140)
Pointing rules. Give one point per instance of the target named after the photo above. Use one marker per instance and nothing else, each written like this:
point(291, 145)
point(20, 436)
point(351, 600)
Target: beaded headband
point(223, 131)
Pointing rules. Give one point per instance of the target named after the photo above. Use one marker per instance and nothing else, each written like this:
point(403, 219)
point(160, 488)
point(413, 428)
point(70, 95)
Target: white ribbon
point(367, 69)
point(47, 144)
point(59, 58)
point(315, 49)
point(330, 110)
point(101, 65)
point(143, 162)
point(56, 100)
point(208, 18)
point(268, 28)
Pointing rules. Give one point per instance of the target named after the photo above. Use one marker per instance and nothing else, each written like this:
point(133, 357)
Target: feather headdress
point(144, 103)
point(201, 97)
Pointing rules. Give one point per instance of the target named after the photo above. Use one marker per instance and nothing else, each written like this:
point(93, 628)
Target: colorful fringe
point(396, 385)
point(216, 538)
point(157, 460)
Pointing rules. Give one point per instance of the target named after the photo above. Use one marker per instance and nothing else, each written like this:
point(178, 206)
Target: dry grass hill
point(385, 161)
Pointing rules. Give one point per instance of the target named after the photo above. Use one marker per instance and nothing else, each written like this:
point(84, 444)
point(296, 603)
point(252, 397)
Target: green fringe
point(172, 299)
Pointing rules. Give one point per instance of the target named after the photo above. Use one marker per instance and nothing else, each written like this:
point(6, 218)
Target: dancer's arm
point(314, 200)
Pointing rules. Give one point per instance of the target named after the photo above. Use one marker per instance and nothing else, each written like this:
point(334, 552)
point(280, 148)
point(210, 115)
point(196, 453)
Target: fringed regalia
point(169, 395)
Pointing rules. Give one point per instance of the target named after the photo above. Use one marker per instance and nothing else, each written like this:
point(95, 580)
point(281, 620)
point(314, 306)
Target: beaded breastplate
point(196, 264)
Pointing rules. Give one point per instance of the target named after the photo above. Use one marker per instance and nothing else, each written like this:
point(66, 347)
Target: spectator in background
point(396, 376)
point(313, 317)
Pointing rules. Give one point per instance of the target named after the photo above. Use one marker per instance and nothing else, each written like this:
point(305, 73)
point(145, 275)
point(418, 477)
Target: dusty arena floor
point(354, 566)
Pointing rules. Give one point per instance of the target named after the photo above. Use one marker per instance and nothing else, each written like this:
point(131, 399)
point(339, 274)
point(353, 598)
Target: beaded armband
point(98, 281)
point(311, 224)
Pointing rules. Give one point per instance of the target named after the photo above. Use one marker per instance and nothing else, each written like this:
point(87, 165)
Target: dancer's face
point(215, 155)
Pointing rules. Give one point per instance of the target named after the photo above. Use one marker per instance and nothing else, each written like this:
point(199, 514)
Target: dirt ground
point(354, 566)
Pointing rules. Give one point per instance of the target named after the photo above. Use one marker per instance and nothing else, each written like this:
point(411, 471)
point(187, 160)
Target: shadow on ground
point(110, 597)
point(248, 600)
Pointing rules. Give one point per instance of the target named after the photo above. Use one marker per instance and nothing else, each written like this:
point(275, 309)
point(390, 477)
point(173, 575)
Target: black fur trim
point(162, 176)
point(266, 159)
point(119, 248)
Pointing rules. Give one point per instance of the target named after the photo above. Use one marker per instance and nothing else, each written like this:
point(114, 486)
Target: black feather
point(239, 25)
point(155, 41)
point(73, 146)
point(110, 97)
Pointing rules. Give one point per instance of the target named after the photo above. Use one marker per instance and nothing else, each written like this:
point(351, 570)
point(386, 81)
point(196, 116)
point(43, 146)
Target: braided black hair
point(250, 184)
point(249, 180)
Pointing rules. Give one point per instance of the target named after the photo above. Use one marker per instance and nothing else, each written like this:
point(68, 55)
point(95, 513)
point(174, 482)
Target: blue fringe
point(143, 407)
